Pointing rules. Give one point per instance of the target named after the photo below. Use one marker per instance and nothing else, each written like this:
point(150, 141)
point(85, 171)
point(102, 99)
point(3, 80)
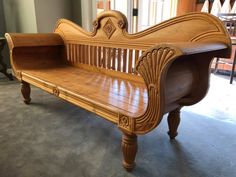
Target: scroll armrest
point(32, 51)
point(33, 40)
point(153, 67)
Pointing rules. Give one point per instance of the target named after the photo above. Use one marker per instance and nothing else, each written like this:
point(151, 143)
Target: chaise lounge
point(131, 80)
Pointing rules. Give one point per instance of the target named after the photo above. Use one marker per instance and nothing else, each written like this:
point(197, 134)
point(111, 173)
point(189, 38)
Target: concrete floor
point(53, 138)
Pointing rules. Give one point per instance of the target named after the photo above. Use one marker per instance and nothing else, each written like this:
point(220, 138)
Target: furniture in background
point(229, 21)
point(3, 66)
point(131, 80)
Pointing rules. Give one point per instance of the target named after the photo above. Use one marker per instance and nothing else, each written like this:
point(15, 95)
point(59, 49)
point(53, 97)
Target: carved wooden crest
point(109, 28)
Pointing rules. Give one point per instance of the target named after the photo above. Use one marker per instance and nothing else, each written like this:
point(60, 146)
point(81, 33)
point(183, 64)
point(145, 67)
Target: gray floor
point(52, 138)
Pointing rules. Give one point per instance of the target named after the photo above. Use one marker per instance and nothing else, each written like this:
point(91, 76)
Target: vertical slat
point(95, 55)
point(99, 57)
point(119, 60)
point(91, 55)
point(109, 58)
point(114, 59)
point(81, 53)
point(78, 53)
point(68, 52)
point(130, 60)
point(71, 53)
point(136, 56)
point(74, 53)
point(86, 56)
point(124, 60)
point(104, 57)
point(136, 59)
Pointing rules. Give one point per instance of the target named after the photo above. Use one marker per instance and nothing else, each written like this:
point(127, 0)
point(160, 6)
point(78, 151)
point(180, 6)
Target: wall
point(76, 11)
point(32, 16)
point(49, 11)
point(88, 13)
point(20, 16)
point(2, 32)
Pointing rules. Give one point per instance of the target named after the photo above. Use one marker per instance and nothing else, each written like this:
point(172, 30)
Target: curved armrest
point(32, 51)
point(153, 66)
point(33, 40)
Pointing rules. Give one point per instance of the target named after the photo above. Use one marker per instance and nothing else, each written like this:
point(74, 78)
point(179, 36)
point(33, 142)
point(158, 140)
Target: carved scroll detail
point(56, 91)
point(151, 67)
point(109, 28)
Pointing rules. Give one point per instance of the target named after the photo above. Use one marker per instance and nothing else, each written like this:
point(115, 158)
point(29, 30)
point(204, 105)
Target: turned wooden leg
point(129, 147)
point(25, 90)
point(173, 122)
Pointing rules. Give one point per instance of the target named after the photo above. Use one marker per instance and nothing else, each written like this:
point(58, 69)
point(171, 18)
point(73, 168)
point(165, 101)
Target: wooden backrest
point(118, 59)
point(110, 46)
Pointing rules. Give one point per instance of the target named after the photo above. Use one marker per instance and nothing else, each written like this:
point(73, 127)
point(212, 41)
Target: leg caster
point(25, 90)
point(173, 122)
point(129, 147)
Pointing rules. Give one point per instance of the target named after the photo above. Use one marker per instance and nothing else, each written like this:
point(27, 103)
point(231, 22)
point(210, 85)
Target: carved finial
point(95, 24)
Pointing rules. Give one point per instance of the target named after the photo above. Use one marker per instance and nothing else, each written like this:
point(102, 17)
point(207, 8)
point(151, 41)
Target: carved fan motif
point(109, 28)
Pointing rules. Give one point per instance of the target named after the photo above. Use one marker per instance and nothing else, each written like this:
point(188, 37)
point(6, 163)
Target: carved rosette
point(55, 91)
point(95, 24)
point(121, 24)
point(109, 28)
point(126, 123)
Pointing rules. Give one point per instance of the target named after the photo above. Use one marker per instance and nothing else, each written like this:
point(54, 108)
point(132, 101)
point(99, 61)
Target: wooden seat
point(124, 96)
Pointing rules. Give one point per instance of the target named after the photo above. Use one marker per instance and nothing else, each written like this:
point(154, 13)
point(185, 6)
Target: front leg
point(173, 122)
point(25, 90)
point(129, 147)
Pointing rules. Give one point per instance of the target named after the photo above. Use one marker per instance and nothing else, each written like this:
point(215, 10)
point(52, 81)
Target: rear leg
point(173, 122)
point(25, 90)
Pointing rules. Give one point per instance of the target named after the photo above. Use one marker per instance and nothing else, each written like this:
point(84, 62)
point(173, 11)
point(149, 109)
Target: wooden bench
point(131, 80)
